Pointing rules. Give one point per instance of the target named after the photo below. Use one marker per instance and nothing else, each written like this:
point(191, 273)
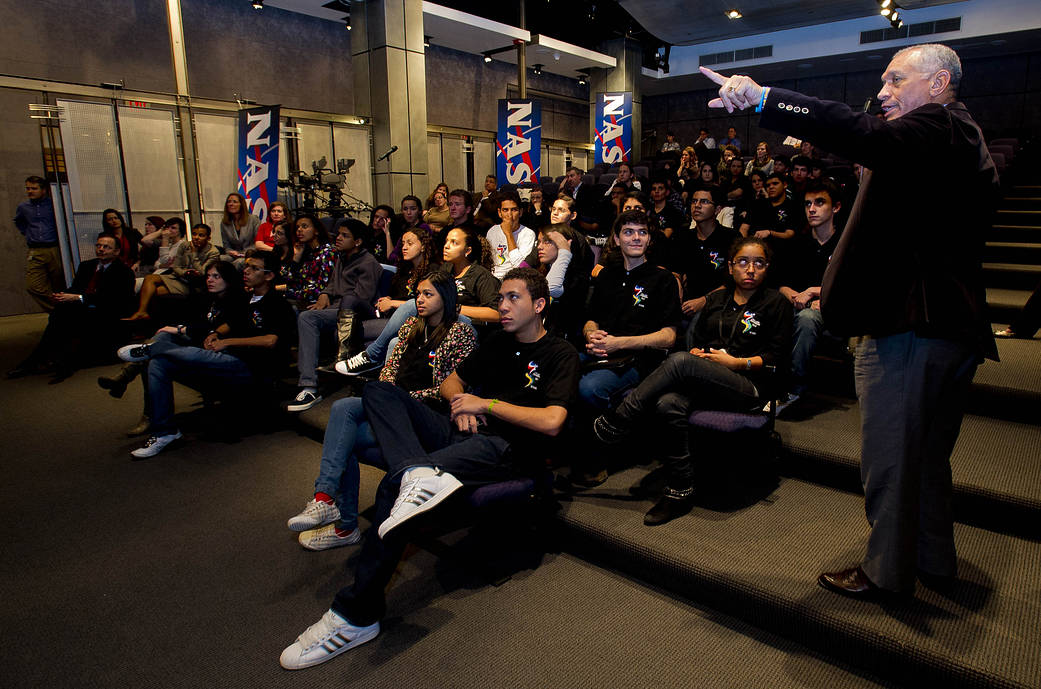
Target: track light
point(258, 4)
point(536, 68)
point(426, 41)
point(885, 11)
point(487, 57)
point(581, 81)
point(886, 3)
point(347, 22)
point(734, 14)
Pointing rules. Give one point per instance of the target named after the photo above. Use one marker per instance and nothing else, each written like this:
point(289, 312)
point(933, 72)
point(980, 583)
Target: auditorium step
point(1013, 252)
point(760, 563)
point(1010, 216)
point(1011, 275)
point(1004, 231)
point(822, 443)
point(1005, 303)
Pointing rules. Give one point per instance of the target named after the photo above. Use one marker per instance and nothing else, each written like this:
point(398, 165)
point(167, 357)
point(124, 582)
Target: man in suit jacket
point(85, 319)
point(907, 275)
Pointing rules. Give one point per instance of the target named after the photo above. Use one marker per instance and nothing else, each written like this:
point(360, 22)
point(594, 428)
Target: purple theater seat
point(728, 421)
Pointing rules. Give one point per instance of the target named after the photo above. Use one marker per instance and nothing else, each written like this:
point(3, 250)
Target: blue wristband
point(762, 99)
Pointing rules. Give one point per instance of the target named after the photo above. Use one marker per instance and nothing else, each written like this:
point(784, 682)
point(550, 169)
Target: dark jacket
point(357, 275)
point(909, 256)
point(113, 293)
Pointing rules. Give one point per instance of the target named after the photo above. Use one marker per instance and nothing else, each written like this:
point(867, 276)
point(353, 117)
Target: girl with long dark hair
point(431, 344)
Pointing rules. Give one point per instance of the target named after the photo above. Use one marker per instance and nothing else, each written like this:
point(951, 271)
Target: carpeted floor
point(179, 572)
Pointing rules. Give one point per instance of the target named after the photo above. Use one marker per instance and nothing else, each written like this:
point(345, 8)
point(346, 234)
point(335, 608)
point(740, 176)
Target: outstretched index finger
point(714, 76)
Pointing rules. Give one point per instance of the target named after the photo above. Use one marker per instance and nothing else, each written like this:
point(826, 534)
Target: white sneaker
point(325, 639)
point(419, 495)
point(326, 538)
point(356, 365)
point(304, 401)
point(155, 444)
point(316, 513)
point(134, 352)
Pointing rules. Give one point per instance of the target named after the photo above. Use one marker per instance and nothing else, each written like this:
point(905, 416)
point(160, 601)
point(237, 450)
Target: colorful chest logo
point(715, 259)
point(500, 249)
point(532, 375)
point(430, 358)
point(639, 296)
point(257, 319)
point(459, 289)
point(748, 322)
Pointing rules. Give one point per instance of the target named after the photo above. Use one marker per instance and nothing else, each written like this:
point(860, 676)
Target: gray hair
point(933, 57)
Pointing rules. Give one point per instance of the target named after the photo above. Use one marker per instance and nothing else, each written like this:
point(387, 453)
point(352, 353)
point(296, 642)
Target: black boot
point(117, 384)
point(673, 504)
point(348, 333)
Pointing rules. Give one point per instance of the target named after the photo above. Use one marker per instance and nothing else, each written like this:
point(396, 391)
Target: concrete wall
point(88, 42)
point(271, 56)
point(464, 91)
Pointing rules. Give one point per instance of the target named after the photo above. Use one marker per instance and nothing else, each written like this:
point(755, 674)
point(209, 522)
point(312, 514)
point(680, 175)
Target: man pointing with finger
point(917, 243)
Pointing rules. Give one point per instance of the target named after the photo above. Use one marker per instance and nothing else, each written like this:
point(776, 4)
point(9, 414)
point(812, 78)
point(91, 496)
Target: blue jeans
point(807, 328)
point(597, 388)
point(347, 434)
point(378, 348)
point(190, 365)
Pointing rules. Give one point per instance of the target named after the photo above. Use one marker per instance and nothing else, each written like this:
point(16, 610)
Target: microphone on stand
point(387, 154)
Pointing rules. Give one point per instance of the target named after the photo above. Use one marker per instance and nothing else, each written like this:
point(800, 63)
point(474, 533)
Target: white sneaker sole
point(435, 500)
point(291, 657)
point(303, 406)
point(124, 353)
point(328, 544)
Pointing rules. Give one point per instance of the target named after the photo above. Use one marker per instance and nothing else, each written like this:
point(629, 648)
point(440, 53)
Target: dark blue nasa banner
point(518, 144)
point(258, 158)
point(614, 127)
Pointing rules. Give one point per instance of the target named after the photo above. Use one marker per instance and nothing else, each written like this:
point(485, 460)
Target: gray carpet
point(761, 563)
point(178, 571)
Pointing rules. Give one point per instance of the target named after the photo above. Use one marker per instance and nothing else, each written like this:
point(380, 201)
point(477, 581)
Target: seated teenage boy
point(233, 356)
point(343, 304)
point(742, 329)
point(524, 380)
point(634, 315)
point(810, 256)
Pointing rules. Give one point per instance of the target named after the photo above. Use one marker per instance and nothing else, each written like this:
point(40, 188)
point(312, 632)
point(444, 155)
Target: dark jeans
point(685, 382)
point(410, 434)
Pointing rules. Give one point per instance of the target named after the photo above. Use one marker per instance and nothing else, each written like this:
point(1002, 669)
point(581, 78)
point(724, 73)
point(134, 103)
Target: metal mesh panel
point(455, 164)
point(151, 162)
point(353, 142)
point(91, 147)
point(433, 158)
point(216, 137)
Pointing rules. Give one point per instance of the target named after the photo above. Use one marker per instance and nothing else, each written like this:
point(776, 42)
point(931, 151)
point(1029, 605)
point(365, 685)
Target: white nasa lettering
point(260, 124)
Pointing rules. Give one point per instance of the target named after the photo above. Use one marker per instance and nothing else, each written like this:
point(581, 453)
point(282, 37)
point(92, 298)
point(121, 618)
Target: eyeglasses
point(743, 262)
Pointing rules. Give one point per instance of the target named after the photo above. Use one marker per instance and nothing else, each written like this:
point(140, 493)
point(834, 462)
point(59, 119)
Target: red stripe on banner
point(526, 157)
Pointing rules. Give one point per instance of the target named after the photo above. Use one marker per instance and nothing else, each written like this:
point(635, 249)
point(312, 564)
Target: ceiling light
point(885, 11)
point(886, 3)
point(347, 22)
point(734, 14)
point(487, 57)
point(556, 55)
point(258, 4)
point(894, 17)
point(426, 41)
point(536, 68)
point(581, 81)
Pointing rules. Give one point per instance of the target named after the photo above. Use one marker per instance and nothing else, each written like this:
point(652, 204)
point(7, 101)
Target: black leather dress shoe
point(853, 583)
point(667, 509)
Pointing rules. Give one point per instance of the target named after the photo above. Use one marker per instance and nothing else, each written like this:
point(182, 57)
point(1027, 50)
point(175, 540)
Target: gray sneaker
point(155, 444)
point(315, 513)
point(326, 538)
